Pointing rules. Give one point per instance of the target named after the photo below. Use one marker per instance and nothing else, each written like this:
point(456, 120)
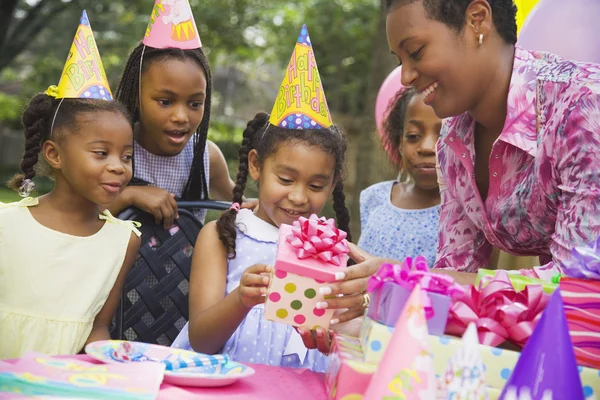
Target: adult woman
point(532, 119)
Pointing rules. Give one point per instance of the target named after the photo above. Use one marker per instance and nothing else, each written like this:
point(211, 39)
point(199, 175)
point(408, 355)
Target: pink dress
point(544, 193)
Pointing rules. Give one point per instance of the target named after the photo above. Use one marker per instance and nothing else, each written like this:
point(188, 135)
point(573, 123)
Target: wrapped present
point(499, 311)
point(519, 282)
point(546, 368)
point(374, 340)
point(391, 286)
point(580, 291)
point(406, 369)
point(582, 307)
point(309, 254)
point(499, 363)
point(347, 375)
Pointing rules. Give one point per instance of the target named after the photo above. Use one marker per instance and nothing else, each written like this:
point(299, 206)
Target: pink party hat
point(546, 368)
point(464, 378)
point(172, 25)
point(406, 370)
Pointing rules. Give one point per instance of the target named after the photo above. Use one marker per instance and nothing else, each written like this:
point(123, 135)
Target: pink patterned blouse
point(544, 193)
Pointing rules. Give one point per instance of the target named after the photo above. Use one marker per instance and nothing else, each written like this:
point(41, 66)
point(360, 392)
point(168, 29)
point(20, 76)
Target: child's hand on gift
point(316, 339)
point(321, 338)
point(254, 284)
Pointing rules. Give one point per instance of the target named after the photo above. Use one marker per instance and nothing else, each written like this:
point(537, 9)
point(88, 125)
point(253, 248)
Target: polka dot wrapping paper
point(294, 290)
point(498, 363)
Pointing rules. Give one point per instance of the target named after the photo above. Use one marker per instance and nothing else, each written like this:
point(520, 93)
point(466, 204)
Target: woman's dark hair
point(393, 125)
point(128, 93)
point(266, 139)
point(37, 121)
point(452, 13)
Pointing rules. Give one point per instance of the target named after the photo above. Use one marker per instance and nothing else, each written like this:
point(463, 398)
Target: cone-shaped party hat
point(301, 102)
point(172, 24)
point(546, 368)
point(83, 75)
point(406, 370)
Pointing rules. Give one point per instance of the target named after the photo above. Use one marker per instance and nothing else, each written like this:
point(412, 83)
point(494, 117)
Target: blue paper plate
point(122, 351)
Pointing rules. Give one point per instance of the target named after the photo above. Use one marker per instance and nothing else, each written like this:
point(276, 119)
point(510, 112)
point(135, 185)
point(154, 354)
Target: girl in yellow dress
point(63, 261)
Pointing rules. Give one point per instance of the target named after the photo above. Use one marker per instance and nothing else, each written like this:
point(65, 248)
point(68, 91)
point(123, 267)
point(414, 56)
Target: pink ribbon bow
point(411, 272)
point(319, 238)
point(499, 312)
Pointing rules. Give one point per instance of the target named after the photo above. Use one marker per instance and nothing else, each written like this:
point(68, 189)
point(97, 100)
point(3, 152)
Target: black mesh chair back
point(154, 303)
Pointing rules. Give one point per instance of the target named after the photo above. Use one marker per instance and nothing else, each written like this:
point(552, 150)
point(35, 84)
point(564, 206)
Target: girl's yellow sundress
point(52, 285)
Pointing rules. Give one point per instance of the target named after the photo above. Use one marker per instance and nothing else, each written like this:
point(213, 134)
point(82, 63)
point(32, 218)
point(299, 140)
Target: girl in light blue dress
point(296, 171)
point(400, 219)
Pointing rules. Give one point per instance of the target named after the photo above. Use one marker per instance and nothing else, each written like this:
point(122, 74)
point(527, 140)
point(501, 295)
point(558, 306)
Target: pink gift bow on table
point(499, 312)
point(319, 238)
point(585, 263)
point(411, 272)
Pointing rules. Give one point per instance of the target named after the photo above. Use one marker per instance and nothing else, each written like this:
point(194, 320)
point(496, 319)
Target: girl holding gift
point(166, 85)
point(296, 156)
point(516, 155)
point(63, 261)
point(399, 219)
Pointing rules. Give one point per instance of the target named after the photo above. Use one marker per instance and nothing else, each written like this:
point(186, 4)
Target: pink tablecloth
point(268, 383)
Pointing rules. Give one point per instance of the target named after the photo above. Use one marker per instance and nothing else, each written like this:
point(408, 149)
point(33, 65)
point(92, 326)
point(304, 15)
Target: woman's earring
point(480, 39)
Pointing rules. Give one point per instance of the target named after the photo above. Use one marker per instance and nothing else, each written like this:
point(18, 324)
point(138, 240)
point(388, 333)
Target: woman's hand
point(352, 287)
point(253, 285)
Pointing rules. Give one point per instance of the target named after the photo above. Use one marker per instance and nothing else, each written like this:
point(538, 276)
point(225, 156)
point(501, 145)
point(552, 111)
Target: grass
point(8, 195)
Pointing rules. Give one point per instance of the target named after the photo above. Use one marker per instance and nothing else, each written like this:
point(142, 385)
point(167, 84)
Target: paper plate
point(122, 351)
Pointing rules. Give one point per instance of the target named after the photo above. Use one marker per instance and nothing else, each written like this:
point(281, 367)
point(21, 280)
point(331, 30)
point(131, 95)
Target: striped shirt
point(169, 173)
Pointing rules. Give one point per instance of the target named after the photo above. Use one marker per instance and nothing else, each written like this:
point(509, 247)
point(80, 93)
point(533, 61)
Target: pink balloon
point(387, 93)
point(568, 28)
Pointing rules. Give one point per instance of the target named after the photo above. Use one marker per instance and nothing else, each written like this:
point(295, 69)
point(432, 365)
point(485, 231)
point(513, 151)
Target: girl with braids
point(63, 261)
point(408, 209)
point(166, 86)
point(296, 172)
point(297, 157)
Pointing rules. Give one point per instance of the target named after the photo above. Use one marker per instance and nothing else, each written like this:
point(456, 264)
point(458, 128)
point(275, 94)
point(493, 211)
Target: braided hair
point(266, 142)
point(453, 14)
point(37, 121)
point(128, 93)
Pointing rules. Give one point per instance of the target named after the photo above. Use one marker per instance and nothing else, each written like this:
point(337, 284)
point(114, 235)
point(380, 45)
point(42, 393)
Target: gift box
point(580, 291)
point(374, 339)
point(582, 308)
point(502, 314)
point(484, 276)
point(347, 375)
point(499, 363)
point(309, 254)
point(391, 286)
point(388, 300)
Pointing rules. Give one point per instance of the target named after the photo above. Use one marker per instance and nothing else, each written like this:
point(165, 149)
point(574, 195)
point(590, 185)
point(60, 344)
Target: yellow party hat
point(301, 102)
point(83, 75)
